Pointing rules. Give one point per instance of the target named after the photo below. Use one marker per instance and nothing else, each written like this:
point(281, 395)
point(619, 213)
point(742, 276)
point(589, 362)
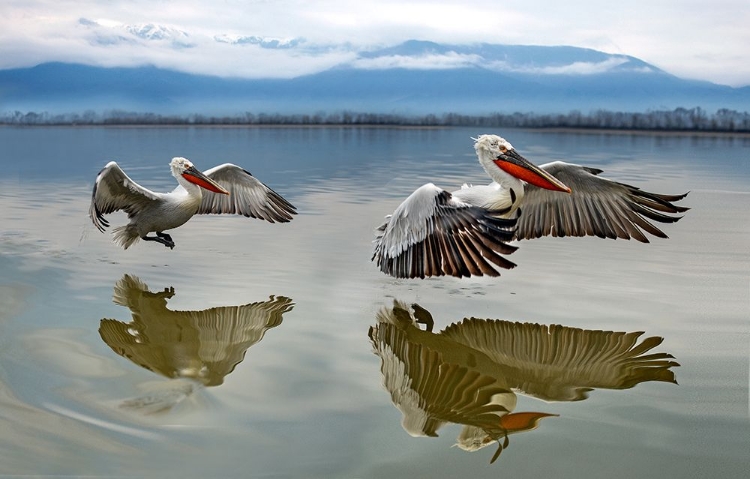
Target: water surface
point(254, 350)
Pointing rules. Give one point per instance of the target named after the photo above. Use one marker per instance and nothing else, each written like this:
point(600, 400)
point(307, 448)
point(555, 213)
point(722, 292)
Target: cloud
point(575, 68)
point(669, 35)
point(422, 62)
point(452, 60)
point(105, 42)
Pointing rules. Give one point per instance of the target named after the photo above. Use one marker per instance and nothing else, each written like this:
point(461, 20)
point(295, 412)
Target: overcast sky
point(706, 40)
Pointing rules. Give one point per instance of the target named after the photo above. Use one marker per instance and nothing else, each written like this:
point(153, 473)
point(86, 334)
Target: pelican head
point(182, 167)
point(496, 153)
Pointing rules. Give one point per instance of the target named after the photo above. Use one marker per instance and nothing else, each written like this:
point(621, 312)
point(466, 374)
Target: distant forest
point(680, 119)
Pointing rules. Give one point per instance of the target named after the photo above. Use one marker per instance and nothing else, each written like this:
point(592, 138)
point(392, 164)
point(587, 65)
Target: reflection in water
point(197, 348)
point(468, 373)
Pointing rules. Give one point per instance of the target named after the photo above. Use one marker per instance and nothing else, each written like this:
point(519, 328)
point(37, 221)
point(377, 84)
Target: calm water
point(302, 367)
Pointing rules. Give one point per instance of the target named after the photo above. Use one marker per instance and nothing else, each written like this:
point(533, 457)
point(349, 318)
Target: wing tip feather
point(459, 241)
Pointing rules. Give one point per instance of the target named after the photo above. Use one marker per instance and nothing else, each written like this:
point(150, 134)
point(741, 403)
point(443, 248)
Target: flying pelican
point(435, 232)
point(225, 188)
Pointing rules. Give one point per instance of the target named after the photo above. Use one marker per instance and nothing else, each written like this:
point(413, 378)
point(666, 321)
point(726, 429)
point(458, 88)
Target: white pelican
point(435, 232)
point(225, 188)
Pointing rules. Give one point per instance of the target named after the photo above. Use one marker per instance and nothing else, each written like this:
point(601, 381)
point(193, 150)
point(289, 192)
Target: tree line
point(679, 119)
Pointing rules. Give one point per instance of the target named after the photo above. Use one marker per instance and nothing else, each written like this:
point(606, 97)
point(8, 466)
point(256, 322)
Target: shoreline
point(567, 130)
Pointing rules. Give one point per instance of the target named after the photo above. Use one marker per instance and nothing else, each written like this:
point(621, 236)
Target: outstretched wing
point(247, 196)
point(433, 233)
point(595, 207)
point(114, 191)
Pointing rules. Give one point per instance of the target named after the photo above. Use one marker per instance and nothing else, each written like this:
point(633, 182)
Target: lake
point(279, 350)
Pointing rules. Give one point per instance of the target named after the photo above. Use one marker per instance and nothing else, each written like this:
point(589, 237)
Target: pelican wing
point(596, 207)
point(114, 191)
point(433, 233)
point(247, 196)
point(559, 363)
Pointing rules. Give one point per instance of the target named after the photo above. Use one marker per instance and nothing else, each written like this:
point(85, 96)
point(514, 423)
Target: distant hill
point(412, 78)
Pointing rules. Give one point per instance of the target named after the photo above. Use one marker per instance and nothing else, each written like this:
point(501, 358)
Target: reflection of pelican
point(202, 346)
point(467, 373)
point(225, 188)
point(462, 233)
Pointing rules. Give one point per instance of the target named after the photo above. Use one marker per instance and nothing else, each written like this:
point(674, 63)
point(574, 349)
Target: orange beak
point(518, 166)
point(196, 177)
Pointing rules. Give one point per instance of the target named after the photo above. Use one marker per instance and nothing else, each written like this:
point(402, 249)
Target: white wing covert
point(595, 207)
point(247, 196)
point(432, 233)
point(114, 191)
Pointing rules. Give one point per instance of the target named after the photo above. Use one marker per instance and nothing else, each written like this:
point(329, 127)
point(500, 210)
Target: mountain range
point(415, 77)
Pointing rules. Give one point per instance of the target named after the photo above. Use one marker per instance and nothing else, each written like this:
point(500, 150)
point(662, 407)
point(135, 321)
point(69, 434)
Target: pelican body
point(466, 232)
point(225, 188)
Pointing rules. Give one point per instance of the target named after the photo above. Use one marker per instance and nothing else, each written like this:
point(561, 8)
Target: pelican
point(225, 188)
point(435, 232)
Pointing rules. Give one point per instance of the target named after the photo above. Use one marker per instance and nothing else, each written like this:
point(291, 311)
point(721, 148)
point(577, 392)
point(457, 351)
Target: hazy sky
point(708, 40)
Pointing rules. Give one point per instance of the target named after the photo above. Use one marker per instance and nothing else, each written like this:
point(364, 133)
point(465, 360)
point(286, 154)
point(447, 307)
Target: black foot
point(162, 238)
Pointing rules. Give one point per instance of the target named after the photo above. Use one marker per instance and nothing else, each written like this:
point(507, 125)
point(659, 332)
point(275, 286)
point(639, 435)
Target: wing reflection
point(468, 373)
point(195, 346)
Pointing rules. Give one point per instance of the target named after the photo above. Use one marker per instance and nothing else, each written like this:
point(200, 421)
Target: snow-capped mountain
point(111, 32)
point(413, 77)
point(264, 42)
point(108, 33)
point(151, 31)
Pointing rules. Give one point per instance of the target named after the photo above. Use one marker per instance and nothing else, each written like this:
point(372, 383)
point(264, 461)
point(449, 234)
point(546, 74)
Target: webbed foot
point(162, 238)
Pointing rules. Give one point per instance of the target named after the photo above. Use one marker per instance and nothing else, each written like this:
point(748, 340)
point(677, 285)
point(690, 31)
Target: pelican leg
point(165, 236)
point(162, 238)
